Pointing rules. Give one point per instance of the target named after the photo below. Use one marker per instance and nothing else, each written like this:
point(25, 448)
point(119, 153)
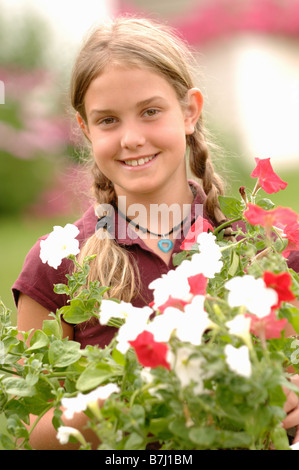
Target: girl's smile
point(137, 128)
point(139, 162)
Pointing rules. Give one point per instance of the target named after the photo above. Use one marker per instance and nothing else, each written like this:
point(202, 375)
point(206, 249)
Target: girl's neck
point(160, 211)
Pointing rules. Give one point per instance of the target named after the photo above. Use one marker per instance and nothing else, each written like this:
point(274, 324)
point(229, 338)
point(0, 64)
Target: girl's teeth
point(141, 161)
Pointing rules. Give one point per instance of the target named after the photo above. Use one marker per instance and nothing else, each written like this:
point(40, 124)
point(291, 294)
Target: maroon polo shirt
point(36, 279)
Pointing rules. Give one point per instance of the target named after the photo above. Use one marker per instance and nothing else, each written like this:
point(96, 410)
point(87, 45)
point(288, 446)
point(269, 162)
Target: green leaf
point(231, 207)
point(203, 436)
point(17, 386)
point(39, 340)
point(178, 428)
point(75, 312)
point(6, 443)
point(235, 260)
point(93, 376)
point(51, 327)
point(135, 442)
point(265, 203)
point(291, 313)
point(61, 289)
point(64, 353)
point(118, 357)
point(279, 438)
point(232, 440)
point(16, 428)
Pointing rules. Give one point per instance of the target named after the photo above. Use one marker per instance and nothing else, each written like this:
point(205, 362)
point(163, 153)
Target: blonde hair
point(147, 44)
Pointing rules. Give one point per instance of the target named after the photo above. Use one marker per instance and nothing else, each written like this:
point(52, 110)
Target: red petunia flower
point(199, 226)
point(269, 181)
point(198, 284)
point(281, 283)
point(149, 352)
point(267, 327)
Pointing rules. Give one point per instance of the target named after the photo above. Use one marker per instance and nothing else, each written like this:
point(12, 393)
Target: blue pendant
point(165, 245)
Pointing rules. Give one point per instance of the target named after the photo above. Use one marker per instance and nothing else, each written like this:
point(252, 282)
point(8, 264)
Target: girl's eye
point(107, 121)
point(151, 112)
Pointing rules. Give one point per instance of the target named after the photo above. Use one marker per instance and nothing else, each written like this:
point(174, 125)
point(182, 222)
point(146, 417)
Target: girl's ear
point(193, 109)
point(83, 126)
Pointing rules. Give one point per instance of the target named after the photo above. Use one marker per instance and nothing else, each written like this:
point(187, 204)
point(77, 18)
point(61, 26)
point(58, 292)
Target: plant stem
point(7, 371)
point(226, 224)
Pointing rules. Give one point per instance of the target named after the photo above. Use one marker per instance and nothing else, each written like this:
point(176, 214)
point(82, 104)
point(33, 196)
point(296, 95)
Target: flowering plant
point(205, 366)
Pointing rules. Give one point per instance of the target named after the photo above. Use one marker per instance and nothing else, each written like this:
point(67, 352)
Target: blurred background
point(248, 57)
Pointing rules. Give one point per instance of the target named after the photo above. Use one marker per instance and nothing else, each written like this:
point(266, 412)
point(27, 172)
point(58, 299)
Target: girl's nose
point(132, 138)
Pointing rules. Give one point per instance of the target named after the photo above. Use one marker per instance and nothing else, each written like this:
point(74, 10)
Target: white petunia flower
point(163, 325)
point(238, 360)
point(74, 405)
point(101, 393)
point(110, 309)
point(82, 401)
point(59, 244)
point(207, 261)
point(188, 369)
point(194, 322)
point(174, 284)
point(207, 245)
point(64, 433)
point(251, 293)
point(240, 326)
point(136, 323)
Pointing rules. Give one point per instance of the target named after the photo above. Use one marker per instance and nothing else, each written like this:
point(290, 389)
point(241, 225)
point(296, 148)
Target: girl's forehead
point(124, 80)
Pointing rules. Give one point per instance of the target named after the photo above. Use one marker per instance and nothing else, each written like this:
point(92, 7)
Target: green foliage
point(21, 182)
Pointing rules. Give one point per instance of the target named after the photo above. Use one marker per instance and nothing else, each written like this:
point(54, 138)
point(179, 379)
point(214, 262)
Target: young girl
point(137, 106)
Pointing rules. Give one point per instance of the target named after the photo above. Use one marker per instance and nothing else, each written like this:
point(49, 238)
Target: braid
point(202, 167)
point(113, 267)
point(102, 188)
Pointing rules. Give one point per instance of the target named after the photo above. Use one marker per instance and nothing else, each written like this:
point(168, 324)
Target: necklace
point(165, 244)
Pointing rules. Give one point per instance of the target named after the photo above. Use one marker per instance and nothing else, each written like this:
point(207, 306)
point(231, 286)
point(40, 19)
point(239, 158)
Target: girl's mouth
point(139, 162)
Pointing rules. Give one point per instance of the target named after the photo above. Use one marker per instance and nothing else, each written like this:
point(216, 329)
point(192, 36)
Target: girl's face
point(138, 130)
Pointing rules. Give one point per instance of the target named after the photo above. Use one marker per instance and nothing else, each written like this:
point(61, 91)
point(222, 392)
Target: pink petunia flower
point(279, 216)
point(172, 302)
point(267, 327)
point(282, 218)
point(149, 352)
point(198, 284)
point(268, 180)
point(291, 232)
